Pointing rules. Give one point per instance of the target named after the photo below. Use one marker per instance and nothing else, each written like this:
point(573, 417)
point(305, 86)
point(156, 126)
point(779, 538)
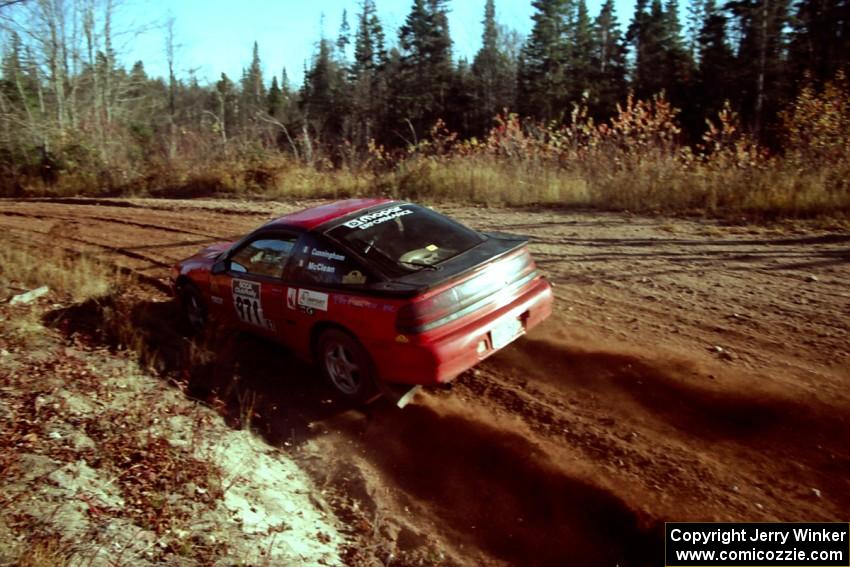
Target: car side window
point(322, 263)
point(263, 257)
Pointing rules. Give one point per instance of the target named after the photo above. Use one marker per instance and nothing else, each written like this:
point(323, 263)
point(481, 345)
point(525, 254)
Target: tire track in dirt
point(120, 221)
point(645, 414)
point(147, 247)
point(92, 247)
point(229, 207)
point(166, 220)
point(756, 343)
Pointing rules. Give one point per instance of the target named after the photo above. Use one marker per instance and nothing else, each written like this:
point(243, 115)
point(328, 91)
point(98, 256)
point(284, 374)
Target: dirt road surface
point(691, 371)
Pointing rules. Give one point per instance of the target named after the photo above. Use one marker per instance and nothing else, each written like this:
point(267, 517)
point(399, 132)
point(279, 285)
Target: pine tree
point(15, 87)
point(368, 85)
point(419, 97)
point(636, 38)
point(493, 79)
point(284, 82)
point(317, 97)
point(610, 62)
point(820, 41)
point(760, 58)
point(253, 89)
point(282, 117)
point(137, 90)
point(344, 37)
point(274, 99)
point(647, 34)
point(716, 61)
point(19, 87)
point(224, 106)
point(542, 77)
point(696, 18)
point(679, 67)
point(661, 62)
point(460, 111)
point(369, 52)
point(581, 80)
point(322, 98)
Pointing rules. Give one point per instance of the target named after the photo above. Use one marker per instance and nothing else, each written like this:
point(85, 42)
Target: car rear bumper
point(438, 356)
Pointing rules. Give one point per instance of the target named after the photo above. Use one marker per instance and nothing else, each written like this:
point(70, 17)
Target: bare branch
point(266, 117)
point(7, 3)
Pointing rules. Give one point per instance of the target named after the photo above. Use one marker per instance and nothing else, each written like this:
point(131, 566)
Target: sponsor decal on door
point(246, 301)
point(312, 299)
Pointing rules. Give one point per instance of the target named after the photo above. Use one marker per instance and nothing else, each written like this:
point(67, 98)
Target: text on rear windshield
point(368, 221)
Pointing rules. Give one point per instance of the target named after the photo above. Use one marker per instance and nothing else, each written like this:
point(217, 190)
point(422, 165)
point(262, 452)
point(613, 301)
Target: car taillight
point(414, 317)
point(467, 296)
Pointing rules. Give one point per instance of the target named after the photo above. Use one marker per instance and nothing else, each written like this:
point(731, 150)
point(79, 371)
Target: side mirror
point(219, 267)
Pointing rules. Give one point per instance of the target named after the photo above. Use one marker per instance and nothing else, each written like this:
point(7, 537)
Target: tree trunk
point(759, 109)
point(169, 53)
point(53, 15)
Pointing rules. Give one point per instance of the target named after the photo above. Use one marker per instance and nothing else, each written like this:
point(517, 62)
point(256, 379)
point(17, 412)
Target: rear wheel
point(194, 310)
point(346, 365)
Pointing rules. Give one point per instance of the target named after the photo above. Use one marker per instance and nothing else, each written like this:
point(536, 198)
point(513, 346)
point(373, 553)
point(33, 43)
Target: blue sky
point(215, 36)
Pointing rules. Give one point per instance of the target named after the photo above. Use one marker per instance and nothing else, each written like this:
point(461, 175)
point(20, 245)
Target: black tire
point(347, 366)
point(193, 309)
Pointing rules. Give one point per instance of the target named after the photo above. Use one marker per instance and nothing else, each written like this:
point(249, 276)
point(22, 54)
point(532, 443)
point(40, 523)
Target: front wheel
point(194, 311)
point(346, 365)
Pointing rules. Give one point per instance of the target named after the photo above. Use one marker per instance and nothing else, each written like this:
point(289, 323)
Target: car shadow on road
point(480, 484)
point(250, 381)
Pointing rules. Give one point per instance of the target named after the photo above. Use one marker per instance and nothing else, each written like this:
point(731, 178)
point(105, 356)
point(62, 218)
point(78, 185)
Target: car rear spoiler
point(495, 246)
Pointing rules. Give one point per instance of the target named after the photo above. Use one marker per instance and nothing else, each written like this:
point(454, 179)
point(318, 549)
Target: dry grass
point(773, 190)
point(69, 279)
point(44, 551)
point(652, 182)
point(485, 179)
point(76, 277)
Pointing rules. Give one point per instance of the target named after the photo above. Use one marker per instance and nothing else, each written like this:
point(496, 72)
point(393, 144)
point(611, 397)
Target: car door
point(318, 278)
point(250, 293)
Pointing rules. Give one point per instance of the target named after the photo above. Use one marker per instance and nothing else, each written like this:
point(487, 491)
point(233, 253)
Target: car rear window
point(405, 237)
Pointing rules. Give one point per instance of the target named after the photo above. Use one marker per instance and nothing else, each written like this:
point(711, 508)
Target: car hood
point(207, 255)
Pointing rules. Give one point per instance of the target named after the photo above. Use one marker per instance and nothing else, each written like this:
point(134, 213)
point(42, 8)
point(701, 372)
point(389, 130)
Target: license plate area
point(506, 331)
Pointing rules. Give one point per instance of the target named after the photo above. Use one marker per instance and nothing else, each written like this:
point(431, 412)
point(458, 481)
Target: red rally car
point(370, 290)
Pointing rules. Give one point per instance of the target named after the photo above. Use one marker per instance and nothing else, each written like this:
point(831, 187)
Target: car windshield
point(405, 237)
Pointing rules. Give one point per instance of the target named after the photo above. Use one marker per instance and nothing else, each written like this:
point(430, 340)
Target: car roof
point(308, 219)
